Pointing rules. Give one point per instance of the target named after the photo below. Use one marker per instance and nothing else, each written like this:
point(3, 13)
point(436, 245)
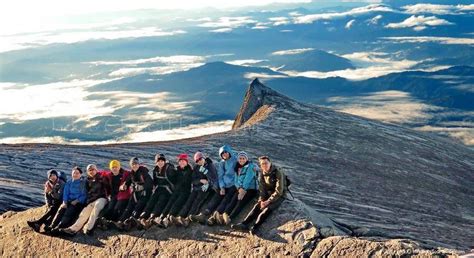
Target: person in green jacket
point(272, 187)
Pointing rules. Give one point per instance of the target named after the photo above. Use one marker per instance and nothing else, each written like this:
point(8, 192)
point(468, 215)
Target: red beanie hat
point(183, 156)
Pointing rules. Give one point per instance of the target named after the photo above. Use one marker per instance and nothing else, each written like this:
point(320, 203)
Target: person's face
point(160, 163)
point(242, 160)
point(265, 165)
point(115, 170)
point(134, 166)
point(225, 155)
point(201, 162)
point(76, 174)
point(92, 171)
point(182, 163)
point(53, 177)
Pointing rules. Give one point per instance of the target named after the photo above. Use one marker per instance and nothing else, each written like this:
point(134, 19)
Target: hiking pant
point(260, 215)
point(195, 200)
point(48, 216)
point(65, 217)
point(114, 209)
point(235, 206)
point(215, 200)
point(229, 194)
point(157, 203)
point(175, 203)
point(135, 206)
point(89, 215)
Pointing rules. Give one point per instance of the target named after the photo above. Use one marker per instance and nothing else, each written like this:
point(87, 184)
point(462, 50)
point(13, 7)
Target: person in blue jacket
point(246, 188)
point(74, 199)
point(226, 178)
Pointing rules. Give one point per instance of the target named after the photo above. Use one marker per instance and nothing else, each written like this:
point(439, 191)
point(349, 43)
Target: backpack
point(62, 176)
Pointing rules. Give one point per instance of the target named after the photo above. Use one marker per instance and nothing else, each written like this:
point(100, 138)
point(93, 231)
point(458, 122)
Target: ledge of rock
point(291, 231)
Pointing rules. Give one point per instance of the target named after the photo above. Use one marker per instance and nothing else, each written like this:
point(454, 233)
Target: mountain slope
point(372, 179)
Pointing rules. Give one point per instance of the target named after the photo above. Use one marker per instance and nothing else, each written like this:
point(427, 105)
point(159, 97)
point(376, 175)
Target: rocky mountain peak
point(257, 98)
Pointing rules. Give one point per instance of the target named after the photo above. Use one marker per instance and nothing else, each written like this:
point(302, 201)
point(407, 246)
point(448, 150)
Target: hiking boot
point(186, 222)
point(226, 219)
point(119, 225)
point(88, 232)
point(219, 219)
point(67, 232)
point(165, 222)
point(201, 218)
point(179, 221)
point(240, 227)
point(34, 225)
point(47, 229)
point(211, 221)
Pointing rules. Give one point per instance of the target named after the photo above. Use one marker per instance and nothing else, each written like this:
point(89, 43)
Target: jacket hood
point(225, 148)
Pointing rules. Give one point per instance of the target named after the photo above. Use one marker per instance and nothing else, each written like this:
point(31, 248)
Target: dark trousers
point(235, 206)
point(65, 217)
point(260, 215)
point(48, 216)
point(175, 203)
point(115, 209)
point(156, 204)
point(195, 200)
point(227, 198)
point(135, 206)
point(215, 199)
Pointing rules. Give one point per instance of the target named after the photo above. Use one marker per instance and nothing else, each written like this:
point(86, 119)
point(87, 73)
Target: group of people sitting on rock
point(207, 193)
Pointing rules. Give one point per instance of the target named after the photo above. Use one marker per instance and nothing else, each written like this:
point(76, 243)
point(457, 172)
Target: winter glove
point(74, 202)
point(203, 170)
point(139, 188)
point(205, 187)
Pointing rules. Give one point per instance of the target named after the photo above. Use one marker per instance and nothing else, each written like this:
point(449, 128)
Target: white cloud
point(387, 106)
point(165, 69)
point(259, 27)
point(245, 62)
point(465, 133)
point(229, 22)
point(51, 100)
point(263, 76)
point(181, 132)
point(221, 30)
point(177, 59)
point(291, 51)
point(277, 21)
point(354, 12)
point(371, 58)
point(424, 39)
point(9, 43)
point(349, 24)
point(419, 22)
point(437, 8)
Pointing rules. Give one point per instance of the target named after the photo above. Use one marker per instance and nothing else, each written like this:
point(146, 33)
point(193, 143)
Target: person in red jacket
point(118, 198)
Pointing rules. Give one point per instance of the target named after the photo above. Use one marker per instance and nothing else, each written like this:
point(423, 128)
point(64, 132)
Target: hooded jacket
point(209, 174)
point(55, 196)
point(114, 188)
point(75, 190)
point(185, 178)
point(97, 187)
point(140, 182)
point(246, 178)
point(225, 168)
point(165, 179)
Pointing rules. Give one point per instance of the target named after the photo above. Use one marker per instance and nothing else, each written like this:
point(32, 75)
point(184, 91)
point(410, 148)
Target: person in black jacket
point(180, 194)
point(53, 195)
point(141, 186)
point(204, 177)
point(164, 180)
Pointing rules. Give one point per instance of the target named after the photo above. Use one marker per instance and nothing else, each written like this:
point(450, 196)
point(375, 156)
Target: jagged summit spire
point(257, 96)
